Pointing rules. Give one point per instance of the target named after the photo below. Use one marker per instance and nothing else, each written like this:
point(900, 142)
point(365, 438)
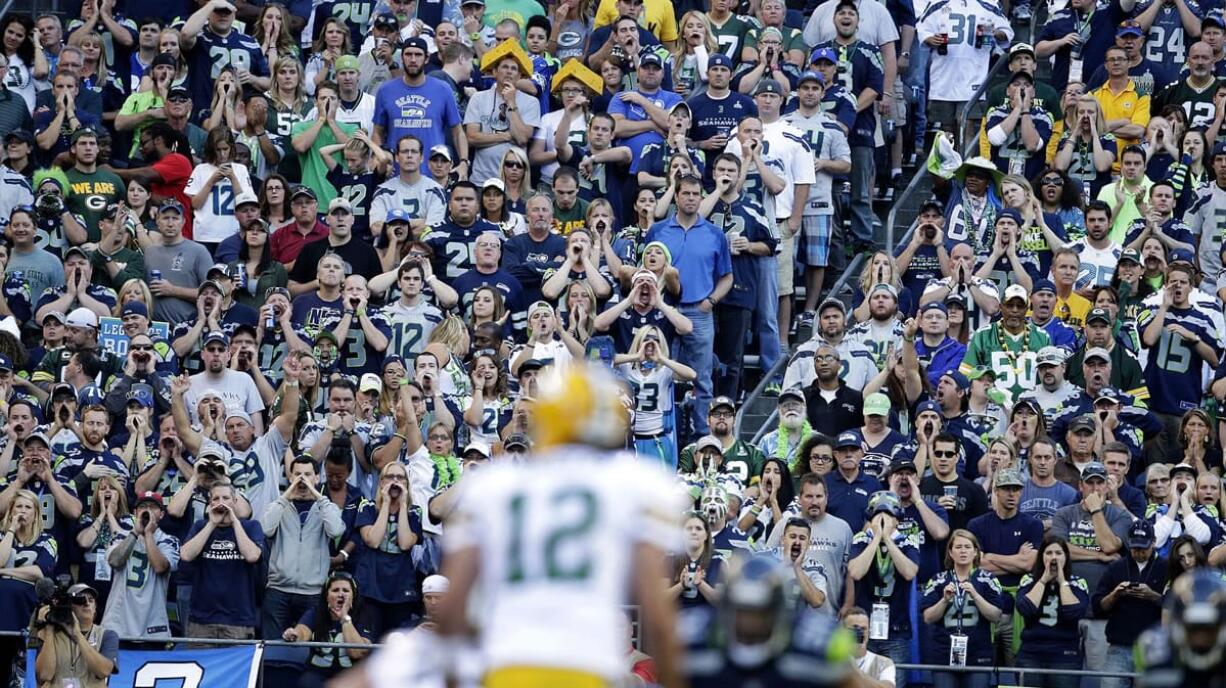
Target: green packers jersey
point(1012, 358)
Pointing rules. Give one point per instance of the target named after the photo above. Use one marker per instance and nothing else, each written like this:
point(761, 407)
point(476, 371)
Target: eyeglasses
point(944, 454)
point(1157, 481)
point(572, 91)
point(821, 458)
point(825, 358)
point(721, 414)
point(437, 437)
point(513, 164)
point(1053, 181)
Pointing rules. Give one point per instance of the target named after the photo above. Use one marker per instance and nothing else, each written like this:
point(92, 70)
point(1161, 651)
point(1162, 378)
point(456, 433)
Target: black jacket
point(1130, 616)
point(845, 412)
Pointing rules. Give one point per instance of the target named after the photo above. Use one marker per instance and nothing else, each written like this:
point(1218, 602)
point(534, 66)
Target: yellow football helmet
point(580, 404)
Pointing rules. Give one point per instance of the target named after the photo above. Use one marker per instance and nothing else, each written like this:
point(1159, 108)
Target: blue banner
point(113, 340)
point(230, 667)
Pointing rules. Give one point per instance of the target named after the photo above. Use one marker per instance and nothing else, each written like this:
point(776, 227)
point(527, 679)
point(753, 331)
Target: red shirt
point(287, 242)
point(175, 169)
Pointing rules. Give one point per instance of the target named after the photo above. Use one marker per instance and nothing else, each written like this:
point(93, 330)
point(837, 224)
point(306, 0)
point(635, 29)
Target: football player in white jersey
point(559, 544)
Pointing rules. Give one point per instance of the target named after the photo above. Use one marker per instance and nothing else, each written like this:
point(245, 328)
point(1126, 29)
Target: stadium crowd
point(277, 277)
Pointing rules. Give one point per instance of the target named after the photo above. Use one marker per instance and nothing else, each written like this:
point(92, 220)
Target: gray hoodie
point(299, 558)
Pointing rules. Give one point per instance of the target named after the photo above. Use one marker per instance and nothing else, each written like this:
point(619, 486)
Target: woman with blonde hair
point(657, 260)
point(578, 308)
point(227, 102)
point(963, 600)
point(1000, 455)
point(133, 290)
point(1086, 152)
point(107, 522)
point(651, 374)
point(1040, 232)
point(169, 41)
point(516, 179)
point(95, 70)
point(694, 47)
point(287, 100)
point(389, 529)
point(449, 343)
point(28, 554)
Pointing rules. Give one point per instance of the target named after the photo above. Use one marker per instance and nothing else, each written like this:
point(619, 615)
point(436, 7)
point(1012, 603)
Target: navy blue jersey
point(744, 218)
point(656, 156)
point(506, 284)
point(631, 321)
point(359, 190)
point(1175, 228)
point(1166, 42)
point(453, 246)
point(1005, 536)
point(74, 461)
point(962, 617)
point(882, 584)
point(877, 457)
point(386, 573)
point(840, 104)
point(608, 180)
point(104, 295)
point(1012, 156)
point(212, 53)
point(931, 551)
point(355, 14)
point(311, 313)
point(818, 653)
point(860, 67)
point(848, 500)
point(1173, 368)
point(18, 595)
point(17, 295)
point(528, 260)
point(1050, 629)
point(224, 583)
point(1097, 30)
point(1081, 167)
point(924, 267)
point(714, 117)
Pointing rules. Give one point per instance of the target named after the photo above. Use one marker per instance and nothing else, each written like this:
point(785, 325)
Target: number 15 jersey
point(556, 538)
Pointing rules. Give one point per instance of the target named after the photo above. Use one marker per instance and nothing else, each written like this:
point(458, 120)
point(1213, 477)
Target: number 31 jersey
point(556, 539)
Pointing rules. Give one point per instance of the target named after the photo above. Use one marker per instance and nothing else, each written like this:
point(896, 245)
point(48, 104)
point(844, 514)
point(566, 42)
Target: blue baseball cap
point(1011, 213)
point(820, 54)
point(1181, 255)
point(929, 405)
point(958, 378)
point(812, 76)
point(1043, 285)
point(6, 363)
point(134, 308)
point(849, 438)
point(934, 306)
point(719, 60)
point(216, 336)
point(650, 58)
point(141, 394)
point(397, 215)
point(171, 205)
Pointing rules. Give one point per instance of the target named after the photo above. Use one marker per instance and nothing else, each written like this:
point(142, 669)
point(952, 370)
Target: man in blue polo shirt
point(849, 487)
point(703, 259)
point(642, 114)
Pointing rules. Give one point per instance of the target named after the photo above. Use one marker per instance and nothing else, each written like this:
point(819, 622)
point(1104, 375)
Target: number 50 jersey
point(556, 539)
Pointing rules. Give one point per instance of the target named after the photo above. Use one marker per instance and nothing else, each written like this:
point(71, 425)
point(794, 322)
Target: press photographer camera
point(49, 204)
point(71, 650)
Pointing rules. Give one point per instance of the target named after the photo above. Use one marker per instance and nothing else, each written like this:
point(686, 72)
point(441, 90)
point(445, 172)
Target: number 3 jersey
point(962, 616)
point(556, 539)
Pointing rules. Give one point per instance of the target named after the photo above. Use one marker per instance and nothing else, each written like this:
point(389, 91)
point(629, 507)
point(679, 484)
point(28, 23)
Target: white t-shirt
point(237, 390)
point(214, 221)
point(546, 132)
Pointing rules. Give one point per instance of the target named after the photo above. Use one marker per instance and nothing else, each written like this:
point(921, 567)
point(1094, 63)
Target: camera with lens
point(49, 204)
point(55, 596)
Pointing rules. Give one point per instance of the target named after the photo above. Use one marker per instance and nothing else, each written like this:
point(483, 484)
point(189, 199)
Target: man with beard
point(857, 367)
point(92, 458)
point(832, 404)
point(829, 539)
point(981, 297)
point(255, 458)
point(77, 291)
point(1181, 337)
point(1099, 254)
point(1055, 395)
point(740, 459)
point(460, 230)
point(923, 520)
point(961, 498)
point(1043, 302)
point(169, 158)
point(436, 119)
point(1043, 493)
point(237, 390)
point(717, 110)
point(1009, 347)
point(93, 189)
point(883, 332)
point(1205, 215)
point(793, 430)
